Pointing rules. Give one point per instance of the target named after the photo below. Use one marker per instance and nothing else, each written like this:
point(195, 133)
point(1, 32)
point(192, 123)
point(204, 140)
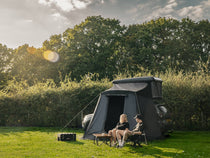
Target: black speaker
point(66, 137)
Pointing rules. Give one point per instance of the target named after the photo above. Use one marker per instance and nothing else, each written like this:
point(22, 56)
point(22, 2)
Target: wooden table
point(102, 136)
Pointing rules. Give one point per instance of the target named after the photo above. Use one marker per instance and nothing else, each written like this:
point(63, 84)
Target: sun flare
point(51, 56)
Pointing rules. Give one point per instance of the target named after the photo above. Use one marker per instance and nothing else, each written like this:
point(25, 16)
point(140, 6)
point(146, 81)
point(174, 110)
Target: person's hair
point(123, 118)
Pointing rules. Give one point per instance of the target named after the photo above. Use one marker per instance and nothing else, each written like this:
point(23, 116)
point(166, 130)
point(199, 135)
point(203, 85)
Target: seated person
point(138, 129)
point(121, 126)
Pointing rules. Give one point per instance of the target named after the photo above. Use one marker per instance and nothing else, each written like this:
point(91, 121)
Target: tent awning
point(138, 80)
point(131, 87)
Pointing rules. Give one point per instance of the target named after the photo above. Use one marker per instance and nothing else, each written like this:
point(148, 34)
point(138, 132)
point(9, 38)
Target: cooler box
point(66, 137)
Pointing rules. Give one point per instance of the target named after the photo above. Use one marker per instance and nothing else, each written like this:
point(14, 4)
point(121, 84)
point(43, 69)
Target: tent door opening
point(115, 109)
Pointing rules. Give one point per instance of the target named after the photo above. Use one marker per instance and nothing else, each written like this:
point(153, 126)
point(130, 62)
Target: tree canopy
point(102, 46)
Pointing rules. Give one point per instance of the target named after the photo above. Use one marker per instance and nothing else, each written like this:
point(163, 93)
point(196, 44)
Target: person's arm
point(137, 133)
point(137, 129)
point(117, 125)
point(140, 129)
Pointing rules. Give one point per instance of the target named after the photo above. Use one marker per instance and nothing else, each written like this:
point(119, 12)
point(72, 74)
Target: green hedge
point(47, 105)
point(187, 97)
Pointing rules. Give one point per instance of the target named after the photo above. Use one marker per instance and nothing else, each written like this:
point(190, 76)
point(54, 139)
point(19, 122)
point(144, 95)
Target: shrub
point(187, 97)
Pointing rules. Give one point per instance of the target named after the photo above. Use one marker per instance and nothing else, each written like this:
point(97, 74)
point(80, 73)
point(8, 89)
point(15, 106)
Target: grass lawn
point(40, 142)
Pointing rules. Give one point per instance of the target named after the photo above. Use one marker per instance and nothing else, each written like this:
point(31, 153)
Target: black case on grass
point(66, 137)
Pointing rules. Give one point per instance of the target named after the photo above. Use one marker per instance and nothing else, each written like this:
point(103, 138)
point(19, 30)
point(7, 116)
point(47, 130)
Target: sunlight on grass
point(36, 142)
point(171, 150)
point(161, 156)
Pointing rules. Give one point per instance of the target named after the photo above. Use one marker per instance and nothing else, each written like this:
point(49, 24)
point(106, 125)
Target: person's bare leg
point(120, 133)
point(114, 135)
point(126, 134)
point(110, 133)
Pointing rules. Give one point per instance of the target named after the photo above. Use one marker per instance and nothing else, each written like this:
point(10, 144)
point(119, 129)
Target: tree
point(5, 59)
point(167, 43)
point(54, 43)
point(92, 46)
point(28, 64)
point(201, 43)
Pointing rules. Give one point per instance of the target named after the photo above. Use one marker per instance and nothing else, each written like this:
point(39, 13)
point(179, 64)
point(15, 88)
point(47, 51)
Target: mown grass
point(19, 142)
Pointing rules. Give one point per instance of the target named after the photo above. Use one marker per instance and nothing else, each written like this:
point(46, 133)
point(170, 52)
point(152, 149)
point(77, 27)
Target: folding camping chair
point(137, 139)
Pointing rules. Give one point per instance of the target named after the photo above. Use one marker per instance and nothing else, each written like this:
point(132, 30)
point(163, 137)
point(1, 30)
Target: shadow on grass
point(74, 142)
point(8, 130)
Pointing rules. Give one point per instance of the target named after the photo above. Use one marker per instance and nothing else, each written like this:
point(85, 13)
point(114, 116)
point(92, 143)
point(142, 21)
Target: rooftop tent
point(130, 96)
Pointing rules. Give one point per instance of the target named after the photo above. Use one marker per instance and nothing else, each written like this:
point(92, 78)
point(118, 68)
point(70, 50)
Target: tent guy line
point(79, 112)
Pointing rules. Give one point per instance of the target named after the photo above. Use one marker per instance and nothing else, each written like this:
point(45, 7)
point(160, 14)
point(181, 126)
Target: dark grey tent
point(130, 96)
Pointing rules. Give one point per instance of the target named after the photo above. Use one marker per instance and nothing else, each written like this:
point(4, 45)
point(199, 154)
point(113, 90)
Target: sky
point(34, 21)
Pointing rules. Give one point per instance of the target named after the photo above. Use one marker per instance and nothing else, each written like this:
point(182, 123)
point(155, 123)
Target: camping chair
point(137, 139)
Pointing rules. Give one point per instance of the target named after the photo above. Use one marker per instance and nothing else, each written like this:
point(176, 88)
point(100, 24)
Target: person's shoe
point(113, 144)
point(119, 146)
point(122, 143)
